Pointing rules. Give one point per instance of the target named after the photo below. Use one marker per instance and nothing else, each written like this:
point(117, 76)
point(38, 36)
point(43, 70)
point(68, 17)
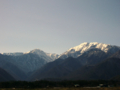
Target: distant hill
point(106, 69)
point(102, 71)
point(21, 65)
point(31, 60)
point(100, 67)
point(12, 69)
point(4, 76)
point(57, 69)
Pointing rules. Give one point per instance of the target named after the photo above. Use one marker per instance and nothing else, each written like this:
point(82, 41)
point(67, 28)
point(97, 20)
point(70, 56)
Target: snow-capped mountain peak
point(38, 52)
point(84, 47)
point(47, 56)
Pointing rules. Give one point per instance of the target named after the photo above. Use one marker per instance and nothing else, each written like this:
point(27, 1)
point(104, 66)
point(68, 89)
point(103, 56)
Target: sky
point(54, 26)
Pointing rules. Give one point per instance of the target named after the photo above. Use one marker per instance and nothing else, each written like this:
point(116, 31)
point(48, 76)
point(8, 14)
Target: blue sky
point(54, 26)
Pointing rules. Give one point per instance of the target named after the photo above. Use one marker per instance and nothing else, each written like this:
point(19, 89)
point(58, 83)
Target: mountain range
point(21, 65)
point(87, 61)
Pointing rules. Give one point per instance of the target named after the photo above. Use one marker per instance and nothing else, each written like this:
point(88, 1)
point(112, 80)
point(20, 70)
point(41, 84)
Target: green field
point(57, 88)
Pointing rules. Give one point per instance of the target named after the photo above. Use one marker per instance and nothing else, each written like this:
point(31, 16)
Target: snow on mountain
point(32, 60)
point(13, 54)
point(52, 55)
point(84, 47)
point(41, 54)
point(47, 56)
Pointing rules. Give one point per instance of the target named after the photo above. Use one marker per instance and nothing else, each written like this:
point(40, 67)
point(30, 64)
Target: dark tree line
point(48, 84)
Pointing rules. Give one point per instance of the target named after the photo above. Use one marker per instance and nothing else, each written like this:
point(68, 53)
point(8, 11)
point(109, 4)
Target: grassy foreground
point(81, 88)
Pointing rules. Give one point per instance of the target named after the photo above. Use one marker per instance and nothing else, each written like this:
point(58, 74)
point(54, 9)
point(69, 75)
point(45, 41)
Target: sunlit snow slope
point(84, 47)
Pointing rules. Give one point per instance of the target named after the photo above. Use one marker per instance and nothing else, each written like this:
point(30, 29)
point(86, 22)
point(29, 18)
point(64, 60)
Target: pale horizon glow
point(55, 26)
